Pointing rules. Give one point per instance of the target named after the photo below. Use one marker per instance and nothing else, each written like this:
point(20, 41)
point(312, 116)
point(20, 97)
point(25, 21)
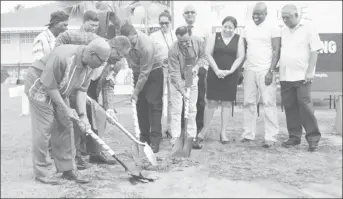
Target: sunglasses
point(189, 12)
point(164, 23)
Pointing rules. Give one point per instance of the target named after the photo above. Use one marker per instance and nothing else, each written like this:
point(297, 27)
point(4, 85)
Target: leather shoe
point(291, 143)
point(268, 144)
point(100, 158)
point(155, 147)
point(75, 176)
point(48, 180)
point(197, 144)
point(313, 147)
point(80, 163)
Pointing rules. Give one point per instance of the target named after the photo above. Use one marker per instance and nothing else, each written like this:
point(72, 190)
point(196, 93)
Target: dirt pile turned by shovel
point(215, 171)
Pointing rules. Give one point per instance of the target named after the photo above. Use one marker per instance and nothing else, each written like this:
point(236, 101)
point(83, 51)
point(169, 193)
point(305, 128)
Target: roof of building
point(37, 17)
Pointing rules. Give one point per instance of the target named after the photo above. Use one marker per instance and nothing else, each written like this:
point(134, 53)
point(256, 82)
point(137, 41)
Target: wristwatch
point(81, 114)
point(271, 71)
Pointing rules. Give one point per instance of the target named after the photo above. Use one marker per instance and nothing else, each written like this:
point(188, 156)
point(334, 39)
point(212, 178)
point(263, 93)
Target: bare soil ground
point(234, 170)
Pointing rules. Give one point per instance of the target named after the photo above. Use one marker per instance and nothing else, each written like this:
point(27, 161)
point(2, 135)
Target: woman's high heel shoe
point(226, 141)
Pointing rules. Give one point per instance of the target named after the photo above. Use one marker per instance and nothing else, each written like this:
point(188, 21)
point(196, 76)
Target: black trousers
point(83, 143)
point(299, 110)
point(149, 107)
point(201, 101)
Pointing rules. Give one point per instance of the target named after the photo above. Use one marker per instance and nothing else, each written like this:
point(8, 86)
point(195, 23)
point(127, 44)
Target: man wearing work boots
point(48, 85)
point(145, 59)
point(185, 58)
point(102, 81)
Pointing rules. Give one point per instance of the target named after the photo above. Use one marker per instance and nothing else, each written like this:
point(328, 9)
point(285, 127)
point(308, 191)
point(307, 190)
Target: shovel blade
point(150, 154)
point(137, 152)
point(177, 150)
point(187, 148)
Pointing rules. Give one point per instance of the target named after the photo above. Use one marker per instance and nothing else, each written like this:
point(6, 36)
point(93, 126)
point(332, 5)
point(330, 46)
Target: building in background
point(18, 30)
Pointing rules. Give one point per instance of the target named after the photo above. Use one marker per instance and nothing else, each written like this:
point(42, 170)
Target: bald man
point(299, 52)
point(190, 14)
point(48, 84)
point(263, 40)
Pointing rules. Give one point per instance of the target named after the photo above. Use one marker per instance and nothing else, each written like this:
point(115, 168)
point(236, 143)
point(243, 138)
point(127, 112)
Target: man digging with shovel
point(184, 59)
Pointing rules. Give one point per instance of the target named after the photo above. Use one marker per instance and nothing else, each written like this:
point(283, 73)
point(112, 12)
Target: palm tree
point(18, 7)
point(123, 10)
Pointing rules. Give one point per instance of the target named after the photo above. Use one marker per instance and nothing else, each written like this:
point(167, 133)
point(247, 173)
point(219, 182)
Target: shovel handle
point(107, 148)
point(115, 122)
point(186, 99)
point(134, 110)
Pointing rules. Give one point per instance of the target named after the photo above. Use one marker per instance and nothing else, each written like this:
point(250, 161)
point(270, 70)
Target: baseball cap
point(57, 16)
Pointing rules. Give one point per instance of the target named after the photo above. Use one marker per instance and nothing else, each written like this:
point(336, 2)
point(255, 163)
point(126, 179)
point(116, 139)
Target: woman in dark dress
point(225, 52)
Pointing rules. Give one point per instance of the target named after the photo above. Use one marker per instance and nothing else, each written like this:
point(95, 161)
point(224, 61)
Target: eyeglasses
point(164, 23)
point(101, 61)
point(189, 12)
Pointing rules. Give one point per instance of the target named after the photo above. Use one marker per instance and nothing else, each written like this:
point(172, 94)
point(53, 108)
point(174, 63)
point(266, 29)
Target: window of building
point(28, 38)
point(5, 38)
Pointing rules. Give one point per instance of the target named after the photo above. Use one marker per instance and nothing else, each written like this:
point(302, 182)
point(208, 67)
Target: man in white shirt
point(262, 39)
point(43, 44)
point(299, 53)
point(189, 14)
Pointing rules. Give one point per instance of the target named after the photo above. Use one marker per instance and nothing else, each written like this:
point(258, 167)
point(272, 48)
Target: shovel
point(183, 145)
point(147, 150)
point(178, 149)
point(137, 149)
point(134, 177)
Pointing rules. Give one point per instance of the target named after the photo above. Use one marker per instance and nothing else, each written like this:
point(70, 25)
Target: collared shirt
point(259, 42)
point(62, 69)
point(203, 35)
point(81, 37)
point(43, 44)
point(165, 40)
point(144, 57)
point(177, 61)
point(76, 37)
point(296, 47)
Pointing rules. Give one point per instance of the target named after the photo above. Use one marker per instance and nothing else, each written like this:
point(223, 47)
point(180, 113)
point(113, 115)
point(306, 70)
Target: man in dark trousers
point(145, 59)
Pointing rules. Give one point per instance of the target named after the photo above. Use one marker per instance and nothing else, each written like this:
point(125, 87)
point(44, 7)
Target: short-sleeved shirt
point(259, 45)
point(43, 44)
point(62, 69)
point(296, 47)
